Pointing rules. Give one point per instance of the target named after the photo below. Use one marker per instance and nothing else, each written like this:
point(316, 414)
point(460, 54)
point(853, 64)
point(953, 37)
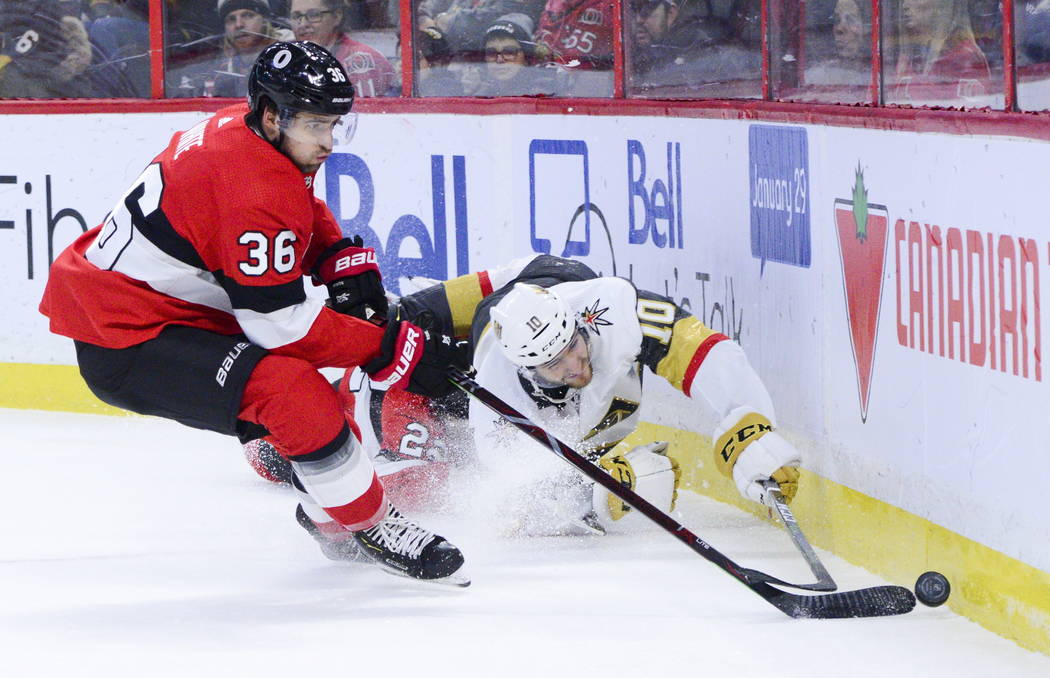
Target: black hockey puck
point(932, 588)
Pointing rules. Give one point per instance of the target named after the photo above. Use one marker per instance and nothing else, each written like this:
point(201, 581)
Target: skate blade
point(455, 579)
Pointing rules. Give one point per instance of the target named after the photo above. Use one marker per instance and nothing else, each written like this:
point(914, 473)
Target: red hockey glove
point(351, 274)
point(416, 359)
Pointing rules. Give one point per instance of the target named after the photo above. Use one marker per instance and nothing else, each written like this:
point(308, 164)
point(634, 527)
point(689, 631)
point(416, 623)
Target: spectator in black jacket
point(689, 44)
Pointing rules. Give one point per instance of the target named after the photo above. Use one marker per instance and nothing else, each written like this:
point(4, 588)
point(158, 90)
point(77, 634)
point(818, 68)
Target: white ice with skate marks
point(136, 547)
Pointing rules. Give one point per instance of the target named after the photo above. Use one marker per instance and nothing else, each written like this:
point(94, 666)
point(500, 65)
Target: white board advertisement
point(886, 285)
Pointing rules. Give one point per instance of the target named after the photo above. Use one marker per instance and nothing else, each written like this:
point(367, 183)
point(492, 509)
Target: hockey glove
point(351, 274)
point(748, 450)
point(647, 470)
point(416, 359)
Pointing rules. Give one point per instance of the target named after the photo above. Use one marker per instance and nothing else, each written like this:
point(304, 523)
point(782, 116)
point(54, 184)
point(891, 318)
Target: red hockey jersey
point(216, 233)
point(369, 71)
point(579, 32)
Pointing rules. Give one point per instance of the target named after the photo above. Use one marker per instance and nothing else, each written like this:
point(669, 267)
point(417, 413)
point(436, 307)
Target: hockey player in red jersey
point(188, 302)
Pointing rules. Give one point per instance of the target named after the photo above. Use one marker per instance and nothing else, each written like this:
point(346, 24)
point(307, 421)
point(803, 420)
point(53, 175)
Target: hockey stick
point(876, 601)
point(777, 501)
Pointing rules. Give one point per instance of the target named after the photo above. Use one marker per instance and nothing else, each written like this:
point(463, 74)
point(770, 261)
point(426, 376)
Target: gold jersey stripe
point(687, 336)
point(464, 294)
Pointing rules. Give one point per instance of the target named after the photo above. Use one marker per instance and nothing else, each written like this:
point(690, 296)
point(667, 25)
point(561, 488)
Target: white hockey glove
point(647, 470)
point(748, 450)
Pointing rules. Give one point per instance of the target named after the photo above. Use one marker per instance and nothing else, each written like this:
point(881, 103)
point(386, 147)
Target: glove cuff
point(405, 351)
point(738, 430)
point(344, 259)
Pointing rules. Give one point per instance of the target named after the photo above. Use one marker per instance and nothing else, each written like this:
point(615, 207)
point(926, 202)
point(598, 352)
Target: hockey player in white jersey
point(568, 348)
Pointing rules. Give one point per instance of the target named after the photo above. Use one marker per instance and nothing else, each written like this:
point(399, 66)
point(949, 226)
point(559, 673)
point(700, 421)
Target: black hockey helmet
point(299, 76)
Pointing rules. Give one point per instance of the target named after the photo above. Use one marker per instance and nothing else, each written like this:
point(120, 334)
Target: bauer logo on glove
point(364, 260)
point(350, 271)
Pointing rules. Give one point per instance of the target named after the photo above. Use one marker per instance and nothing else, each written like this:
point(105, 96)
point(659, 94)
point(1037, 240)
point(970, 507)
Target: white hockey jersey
point(628, 330)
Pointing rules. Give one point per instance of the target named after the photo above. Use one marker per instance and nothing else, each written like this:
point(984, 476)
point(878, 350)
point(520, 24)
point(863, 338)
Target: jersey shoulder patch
point(607, 308)
point(602, 303)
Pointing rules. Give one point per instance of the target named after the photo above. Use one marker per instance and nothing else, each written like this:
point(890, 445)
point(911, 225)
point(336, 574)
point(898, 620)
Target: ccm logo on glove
point(750, 426)
point(749, 451)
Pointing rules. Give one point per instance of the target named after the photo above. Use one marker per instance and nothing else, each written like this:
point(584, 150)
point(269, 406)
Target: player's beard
point(582, 379)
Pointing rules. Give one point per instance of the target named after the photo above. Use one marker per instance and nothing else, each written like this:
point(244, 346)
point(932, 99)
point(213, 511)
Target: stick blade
point(877, 601)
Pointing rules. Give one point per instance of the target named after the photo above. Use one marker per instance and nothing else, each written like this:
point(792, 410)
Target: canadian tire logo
point(862, 228)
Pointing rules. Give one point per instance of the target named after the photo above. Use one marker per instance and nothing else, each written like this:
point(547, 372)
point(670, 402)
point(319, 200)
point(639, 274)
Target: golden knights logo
point(592, 316)
point(619, 410)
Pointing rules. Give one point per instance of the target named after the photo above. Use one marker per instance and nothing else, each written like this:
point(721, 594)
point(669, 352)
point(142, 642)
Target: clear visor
point(327, 130)
point(547, 374)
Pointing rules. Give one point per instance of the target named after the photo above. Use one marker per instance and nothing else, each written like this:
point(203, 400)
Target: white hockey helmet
point(533, 324)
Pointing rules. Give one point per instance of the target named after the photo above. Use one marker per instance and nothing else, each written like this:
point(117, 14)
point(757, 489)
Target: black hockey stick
point(876, 601)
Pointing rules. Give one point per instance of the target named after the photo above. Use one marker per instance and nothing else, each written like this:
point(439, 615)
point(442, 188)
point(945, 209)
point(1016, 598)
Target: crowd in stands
point(565, 47)
point(248, 26)
point(932, 49)
point(100, 48)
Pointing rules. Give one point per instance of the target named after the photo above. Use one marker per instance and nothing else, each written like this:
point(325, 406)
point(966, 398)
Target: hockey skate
point(400, 546)
point(345, 550)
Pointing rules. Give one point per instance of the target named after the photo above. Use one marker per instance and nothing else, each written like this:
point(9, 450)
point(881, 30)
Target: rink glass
point(919, 53)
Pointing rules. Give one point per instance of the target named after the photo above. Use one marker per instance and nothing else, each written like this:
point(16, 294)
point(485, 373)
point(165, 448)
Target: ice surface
point(136, 547)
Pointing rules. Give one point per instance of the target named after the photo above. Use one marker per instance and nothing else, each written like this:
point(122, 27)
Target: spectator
point(464, 21)
point(247, 30)
point(192, 36)
point(510, 61)
point(850, 62)
point(578, 33)
point(578, 36)
point(986, 18)
point(120, 35)
point(322, 22)
point(687, 43)
point(434, 59)
point(45, 53)
point(939, 57)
